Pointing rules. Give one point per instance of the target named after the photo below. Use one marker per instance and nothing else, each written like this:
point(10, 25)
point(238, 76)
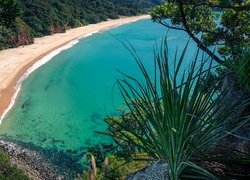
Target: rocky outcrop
point(43, 163)
point(24, 35)
point(57, 29)
point(239, 140)
point(29, 161)
point(157, 171)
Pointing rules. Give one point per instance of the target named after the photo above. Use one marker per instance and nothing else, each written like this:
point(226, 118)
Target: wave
point(171, 38)
point(88, 34)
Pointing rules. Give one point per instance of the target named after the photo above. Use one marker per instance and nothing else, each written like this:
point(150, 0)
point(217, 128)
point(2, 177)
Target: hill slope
point(45, 17)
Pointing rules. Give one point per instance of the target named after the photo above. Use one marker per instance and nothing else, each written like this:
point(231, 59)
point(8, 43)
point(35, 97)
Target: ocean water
point(61, 104)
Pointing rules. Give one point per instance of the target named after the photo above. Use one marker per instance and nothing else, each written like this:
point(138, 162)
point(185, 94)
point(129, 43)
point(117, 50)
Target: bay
point(63, 102)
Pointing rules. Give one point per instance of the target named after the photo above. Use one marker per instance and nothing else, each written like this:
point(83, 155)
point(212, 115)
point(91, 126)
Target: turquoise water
point(64, 101)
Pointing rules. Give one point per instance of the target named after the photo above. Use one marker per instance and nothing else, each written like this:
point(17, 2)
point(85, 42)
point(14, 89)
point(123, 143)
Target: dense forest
point(44, 17)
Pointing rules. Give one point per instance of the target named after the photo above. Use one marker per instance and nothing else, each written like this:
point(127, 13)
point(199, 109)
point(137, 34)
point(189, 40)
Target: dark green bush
point(241, 67)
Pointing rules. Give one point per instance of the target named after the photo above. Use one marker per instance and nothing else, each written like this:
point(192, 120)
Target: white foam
point(35, 66)
point(171, 38)
point(88, 34)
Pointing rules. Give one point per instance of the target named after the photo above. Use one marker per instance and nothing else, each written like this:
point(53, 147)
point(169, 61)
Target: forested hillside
point(44, 17)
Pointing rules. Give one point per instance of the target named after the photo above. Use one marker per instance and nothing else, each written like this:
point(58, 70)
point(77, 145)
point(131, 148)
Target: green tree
point(9, 10)
point(221, 23)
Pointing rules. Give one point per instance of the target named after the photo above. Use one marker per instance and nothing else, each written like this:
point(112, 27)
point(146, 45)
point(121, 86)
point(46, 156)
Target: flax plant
point(179, 115)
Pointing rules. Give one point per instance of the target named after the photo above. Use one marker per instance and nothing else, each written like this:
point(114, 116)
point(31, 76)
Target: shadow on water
point(26, 105)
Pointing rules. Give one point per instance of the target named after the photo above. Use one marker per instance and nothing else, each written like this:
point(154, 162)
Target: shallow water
point(62, 103)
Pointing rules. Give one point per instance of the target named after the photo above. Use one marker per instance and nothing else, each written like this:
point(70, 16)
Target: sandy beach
point(15, 62)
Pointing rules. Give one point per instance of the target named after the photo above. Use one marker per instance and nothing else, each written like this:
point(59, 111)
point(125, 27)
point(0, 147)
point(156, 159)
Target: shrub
point(9, 172)
point(241, 67)
point(116, 168)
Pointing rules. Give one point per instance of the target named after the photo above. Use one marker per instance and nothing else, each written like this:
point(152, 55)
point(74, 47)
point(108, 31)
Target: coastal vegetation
point(36, 18)
point(181, 118)
point(219, 23)
point(219, 28)
point(175, 116)
point(8, 171)
point(113, 167)
point(9, 10)
point(241, 67)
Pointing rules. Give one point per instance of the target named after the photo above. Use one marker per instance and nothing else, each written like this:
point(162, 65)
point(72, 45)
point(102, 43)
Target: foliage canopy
point(221, 23)
point(45, 17)
point(9, 10)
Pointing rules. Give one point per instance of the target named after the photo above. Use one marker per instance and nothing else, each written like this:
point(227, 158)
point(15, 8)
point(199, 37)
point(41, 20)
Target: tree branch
point(198, 42)
point(181, 29)
point(221, 6)
point(171, 27)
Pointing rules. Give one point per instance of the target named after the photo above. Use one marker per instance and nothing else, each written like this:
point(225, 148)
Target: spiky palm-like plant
point(178, 114)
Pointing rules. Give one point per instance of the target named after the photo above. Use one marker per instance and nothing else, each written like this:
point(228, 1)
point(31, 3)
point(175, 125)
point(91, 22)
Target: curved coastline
point(11, 83)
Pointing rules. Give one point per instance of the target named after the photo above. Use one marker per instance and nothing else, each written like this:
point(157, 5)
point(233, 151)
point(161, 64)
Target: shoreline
point(29, 161)
point(16, 62)
point(40, 163)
